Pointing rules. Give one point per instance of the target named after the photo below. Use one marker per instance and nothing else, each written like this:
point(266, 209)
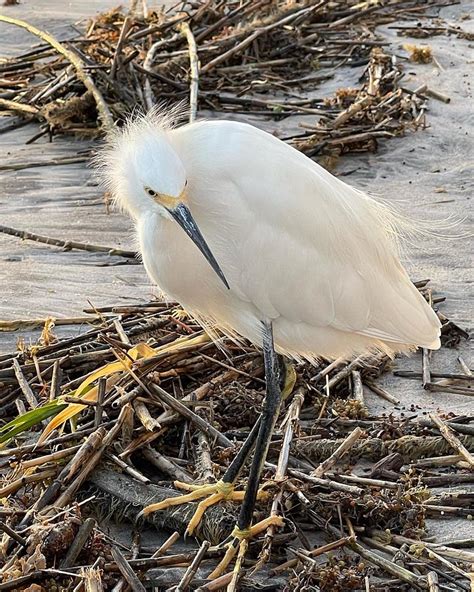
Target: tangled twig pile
point(265, 58)
point(178, 408)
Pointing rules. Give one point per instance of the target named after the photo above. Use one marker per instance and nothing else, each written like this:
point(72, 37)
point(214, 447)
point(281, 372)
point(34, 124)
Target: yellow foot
point(180, 314)
point(213, 494)
point(238, 546)
point(290, 380)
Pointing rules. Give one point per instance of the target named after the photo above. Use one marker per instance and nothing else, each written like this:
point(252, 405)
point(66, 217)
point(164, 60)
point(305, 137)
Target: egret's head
point(155, 172)
point(141, 169)
point(145, 175)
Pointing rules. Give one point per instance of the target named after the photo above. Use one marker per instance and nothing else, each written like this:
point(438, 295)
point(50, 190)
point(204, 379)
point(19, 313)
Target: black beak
point(184, 218)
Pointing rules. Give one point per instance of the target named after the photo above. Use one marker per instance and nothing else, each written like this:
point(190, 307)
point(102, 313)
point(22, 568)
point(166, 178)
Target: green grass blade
point(29, 419)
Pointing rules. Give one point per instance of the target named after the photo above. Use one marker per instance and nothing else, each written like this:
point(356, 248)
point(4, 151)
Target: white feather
point(297, 245)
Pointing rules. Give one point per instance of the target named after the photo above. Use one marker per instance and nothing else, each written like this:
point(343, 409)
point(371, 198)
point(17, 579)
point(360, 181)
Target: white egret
point(257, 240)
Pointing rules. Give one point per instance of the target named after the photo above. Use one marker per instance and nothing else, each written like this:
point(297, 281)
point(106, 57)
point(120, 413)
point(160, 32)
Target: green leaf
point(29, 419)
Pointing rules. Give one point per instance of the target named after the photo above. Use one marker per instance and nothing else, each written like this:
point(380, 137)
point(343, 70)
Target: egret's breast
point(177, 266)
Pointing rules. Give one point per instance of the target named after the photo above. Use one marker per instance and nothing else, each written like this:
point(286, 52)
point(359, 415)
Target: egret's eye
point(150, 192)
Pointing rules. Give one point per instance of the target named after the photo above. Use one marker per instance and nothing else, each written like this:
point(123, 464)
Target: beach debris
point(261, 58)
point(143, 394)
point(420, 54)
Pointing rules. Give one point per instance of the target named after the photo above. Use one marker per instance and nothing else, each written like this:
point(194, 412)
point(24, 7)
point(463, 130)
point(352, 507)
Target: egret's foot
point(213, 494)
point(289, 380)
point(180, 314)
point(239, 544)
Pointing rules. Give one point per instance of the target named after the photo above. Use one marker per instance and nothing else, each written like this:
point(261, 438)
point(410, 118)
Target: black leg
point(269, 417)
point(236, 466)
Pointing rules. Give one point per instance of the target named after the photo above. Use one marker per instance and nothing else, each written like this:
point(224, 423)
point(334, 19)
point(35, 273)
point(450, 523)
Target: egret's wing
point(316, 251)
point(303, 285)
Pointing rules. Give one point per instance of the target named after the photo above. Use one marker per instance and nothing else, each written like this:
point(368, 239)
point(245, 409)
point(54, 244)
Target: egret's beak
point(184, 218)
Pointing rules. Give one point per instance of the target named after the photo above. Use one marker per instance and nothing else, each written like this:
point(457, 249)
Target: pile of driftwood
point(265, 57)
point(144, 397)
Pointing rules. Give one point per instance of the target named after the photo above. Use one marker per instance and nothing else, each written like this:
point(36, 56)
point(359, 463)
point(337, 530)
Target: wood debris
point(265, 58)
point(203, 400)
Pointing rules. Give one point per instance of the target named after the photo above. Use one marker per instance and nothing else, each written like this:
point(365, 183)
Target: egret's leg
point(269, 416)
point(224, 488)
point(244, 530)
point(213, 493)
point(236, 466)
